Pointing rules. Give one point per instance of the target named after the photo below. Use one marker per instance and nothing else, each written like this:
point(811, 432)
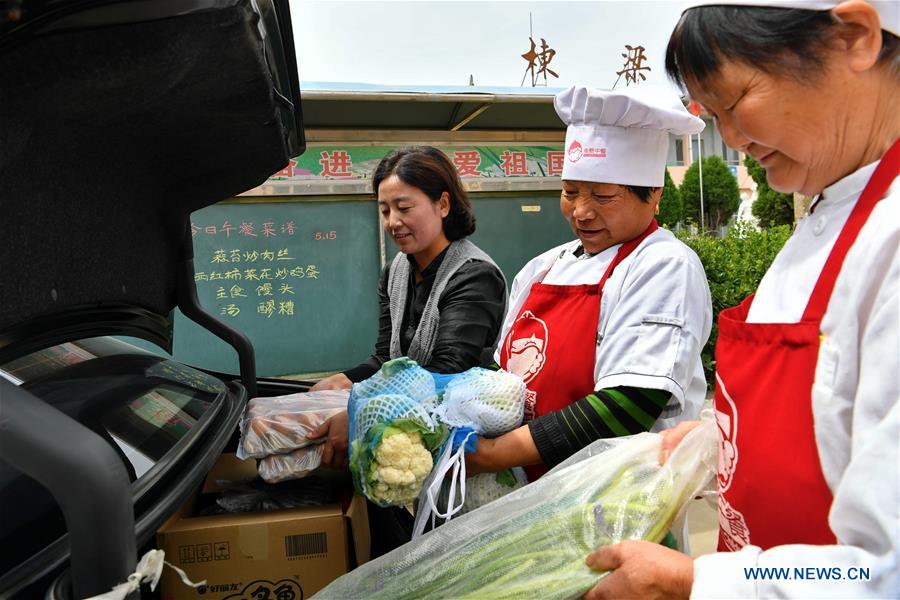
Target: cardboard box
point(291, 553)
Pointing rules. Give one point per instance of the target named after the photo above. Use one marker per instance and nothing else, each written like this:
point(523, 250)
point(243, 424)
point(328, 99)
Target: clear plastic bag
point(532, 542)
point(280, 424)
point(293, 465)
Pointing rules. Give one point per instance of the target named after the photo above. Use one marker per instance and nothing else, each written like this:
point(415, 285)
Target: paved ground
point(703, 527)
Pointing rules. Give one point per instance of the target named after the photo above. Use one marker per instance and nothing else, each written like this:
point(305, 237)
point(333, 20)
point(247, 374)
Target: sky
point(444, 42)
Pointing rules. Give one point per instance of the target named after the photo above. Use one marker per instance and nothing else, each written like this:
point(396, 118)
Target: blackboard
point(327, 253)
point(299, 277)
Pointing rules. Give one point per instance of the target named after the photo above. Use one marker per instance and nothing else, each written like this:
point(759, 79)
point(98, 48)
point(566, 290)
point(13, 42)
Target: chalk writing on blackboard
point(248, 229)
point(222, 256)
point(272, 288)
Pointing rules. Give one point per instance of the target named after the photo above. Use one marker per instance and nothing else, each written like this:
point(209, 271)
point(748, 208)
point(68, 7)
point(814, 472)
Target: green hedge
point(734, 266)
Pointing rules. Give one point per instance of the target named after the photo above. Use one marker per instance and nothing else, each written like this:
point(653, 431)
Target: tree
point(670, 209)
point(770, 207)
point(721, 196)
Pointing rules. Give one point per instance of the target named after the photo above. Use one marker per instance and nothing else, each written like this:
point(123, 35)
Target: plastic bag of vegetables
point(475, 402)
point(393, 438)
point(280, 424)
point(532, 542)
point(293, 465)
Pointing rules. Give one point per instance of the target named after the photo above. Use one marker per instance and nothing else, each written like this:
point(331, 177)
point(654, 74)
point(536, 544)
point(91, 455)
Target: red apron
point(552, 344)
point(771, 487)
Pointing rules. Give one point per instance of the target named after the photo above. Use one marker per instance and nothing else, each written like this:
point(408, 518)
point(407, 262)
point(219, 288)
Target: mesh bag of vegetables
point(532, 542)
point(475, 402)
point(490, 402)
point(393, 438)
point(402, 376)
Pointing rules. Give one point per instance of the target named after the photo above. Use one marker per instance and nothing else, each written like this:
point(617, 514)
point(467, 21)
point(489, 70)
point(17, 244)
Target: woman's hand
point(338, 381)
point(512, 449)
point(672, 437)
point(641, 570)
point(337, 428)
point(480, 460)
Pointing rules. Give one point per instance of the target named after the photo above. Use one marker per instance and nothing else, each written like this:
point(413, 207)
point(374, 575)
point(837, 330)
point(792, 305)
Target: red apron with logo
point(552, 344)
point(771, 487)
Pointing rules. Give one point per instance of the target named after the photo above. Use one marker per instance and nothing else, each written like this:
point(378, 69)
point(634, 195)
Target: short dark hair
point(641, 191)
point(429, 169)
point(778, 41)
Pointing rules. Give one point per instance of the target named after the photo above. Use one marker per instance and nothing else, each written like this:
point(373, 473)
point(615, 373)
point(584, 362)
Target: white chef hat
point(621, 136)
point(888, 10)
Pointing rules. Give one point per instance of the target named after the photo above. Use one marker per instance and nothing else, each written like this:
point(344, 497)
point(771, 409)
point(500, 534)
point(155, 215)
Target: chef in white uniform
point(606, 330)
point(807, 376)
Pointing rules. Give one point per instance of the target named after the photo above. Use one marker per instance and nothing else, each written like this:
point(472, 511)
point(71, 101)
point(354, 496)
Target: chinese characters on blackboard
point(263, 281)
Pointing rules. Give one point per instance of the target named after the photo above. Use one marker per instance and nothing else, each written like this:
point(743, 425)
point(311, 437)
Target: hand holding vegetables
point(672, 437)
point(640, 569)
point(282, 424)
point(533, 541)
point(337, 428)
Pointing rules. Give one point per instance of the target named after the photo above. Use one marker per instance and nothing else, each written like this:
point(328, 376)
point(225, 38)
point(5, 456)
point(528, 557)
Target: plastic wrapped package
point(280, 424)
point(532, 542)
point(258, 496)
point(293, 465)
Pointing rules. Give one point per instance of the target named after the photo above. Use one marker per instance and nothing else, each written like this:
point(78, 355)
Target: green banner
point(358, 162)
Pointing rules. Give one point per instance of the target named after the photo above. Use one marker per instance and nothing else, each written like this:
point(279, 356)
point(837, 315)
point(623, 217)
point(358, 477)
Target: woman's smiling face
point(414, 221)
point(793, 128)
point(605, 214)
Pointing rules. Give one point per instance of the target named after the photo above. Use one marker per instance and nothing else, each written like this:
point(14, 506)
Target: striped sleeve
point(610, 412)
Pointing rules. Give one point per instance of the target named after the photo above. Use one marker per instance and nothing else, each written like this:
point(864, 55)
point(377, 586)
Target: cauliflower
point(402, 462)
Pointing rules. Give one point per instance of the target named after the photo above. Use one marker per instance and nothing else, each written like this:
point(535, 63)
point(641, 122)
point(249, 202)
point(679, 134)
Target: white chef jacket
point(854, 400)
point(655, 316)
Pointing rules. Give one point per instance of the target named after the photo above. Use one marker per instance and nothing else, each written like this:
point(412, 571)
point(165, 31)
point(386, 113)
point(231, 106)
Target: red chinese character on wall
point(288, 171)
point(226, 228)
point(210, 230)
point(247, 229)
point(269, 229)
point(194, 230)
point(555, 163)
point(467, 162)
point(513, 163)
point(336, 164)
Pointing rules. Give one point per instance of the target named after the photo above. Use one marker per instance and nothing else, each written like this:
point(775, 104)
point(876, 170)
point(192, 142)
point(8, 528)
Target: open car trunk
point(118, 119)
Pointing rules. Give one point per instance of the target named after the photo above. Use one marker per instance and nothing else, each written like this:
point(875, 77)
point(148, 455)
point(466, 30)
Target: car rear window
point(144, 405)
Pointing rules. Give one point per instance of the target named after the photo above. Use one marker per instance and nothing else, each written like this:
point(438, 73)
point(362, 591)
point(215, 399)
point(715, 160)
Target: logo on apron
point(735, 533)
point(526, 347)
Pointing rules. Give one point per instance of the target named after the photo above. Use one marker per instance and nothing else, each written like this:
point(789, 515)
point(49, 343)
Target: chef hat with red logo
point(621, 136)
point(888, 10)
